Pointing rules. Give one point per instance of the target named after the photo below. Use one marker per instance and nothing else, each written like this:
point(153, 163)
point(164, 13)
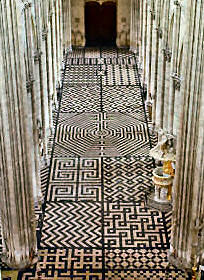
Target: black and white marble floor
point(95, 225)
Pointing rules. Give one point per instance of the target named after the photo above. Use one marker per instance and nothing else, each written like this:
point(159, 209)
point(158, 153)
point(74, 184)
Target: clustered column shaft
point(31, 53)
point(172, 60)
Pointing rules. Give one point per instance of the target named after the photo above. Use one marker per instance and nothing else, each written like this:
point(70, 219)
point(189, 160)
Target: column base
point(180, 264)
point(133, 50)
point(19, 261)
point(163, 206)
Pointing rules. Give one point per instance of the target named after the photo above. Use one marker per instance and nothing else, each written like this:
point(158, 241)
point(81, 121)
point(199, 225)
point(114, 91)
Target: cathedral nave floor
point(94, 224)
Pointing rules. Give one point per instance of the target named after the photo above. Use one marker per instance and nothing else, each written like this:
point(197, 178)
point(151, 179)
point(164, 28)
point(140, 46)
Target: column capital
point(159, 31)
point(153, 13)
point(44, 34)
point(37, 55)
point(177, 80)
point(177, 3)
point(29, 84)
point(27, 4)
point(167, 54)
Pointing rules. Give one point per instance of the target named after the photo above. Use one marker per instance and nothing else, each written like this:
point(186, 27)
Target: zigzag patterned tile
point(168, 217)
point(127, 178)
point(72, 225)
point(44, 174)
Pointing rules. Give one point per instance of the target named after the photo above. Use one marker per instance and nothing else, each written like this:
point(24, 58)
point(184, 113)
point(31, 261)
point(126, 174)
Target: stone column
point(16, 142)
point(144, 51)
point(61, 36)
point(187, 248)
point(44, 96)
point(175, 78)
point(150, 19)
point(133, 23)
point(52, 48)
point(155, 52)
point(67, 26)
point(141, 31)
point(164, 58)
point(33, 98)
point(50, 44)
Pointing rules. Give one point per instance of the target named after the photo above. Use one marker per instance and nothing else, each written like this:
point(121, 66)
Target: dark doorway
point(100, 24)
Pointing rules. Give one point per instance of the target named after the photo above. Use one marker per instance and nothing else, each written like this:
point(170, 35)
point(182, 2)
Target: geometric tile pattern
point(145, 275)
point(82, 98)
point(136, 258)
point(127, 178)
point(102, 61)
point(75, 179)
point(131, 224)
point(76, 53)
point(74, 192)
point(101, 134)
point(81, 74)
point(66, 170)
point(120, 75)
point(92, 53)
point(95, 225)
point(72, 224)
point(109, 52)
point(123, 99)
point(67, 264)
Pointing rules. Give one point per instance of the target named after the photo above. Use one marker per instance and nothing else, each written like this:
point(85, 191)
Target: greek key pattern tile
point(132, 225)
point(72, 225)
point(67, 264)
point(74, 192)
point(74, 169)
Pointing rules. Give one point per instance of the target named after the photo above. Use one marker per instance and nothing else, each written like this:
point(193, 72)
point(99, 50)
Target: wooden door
point(92, 23)
point(108, 24)
point(100, 24)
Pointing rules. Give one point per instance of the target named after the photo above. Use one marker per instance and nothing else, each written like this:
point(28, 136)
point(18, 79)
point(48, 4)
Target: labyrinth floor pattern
point(95, 225)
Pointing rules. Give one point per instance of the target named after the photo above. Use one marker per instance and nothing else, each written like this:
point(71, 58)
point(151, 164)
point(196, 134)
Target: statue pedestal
point(161, 198)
